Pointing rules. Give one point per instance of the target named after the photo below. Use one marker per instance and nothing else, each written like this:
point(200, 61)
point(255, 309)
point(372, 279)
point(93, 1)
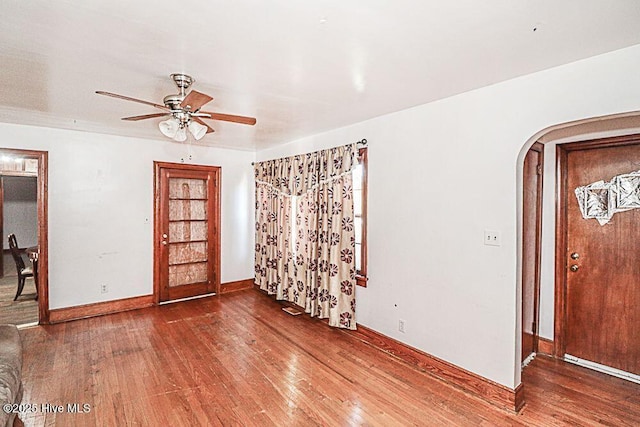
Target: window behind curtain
point(360, 214)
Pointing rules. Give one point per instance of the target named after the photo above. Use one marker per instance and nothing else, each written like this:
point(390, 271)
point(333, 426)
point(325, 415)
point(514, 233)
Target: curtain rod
point(363, 141)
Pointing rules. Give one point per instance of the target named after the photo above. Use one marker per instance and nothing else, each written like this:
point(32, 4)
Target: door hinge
point(539, 169)
point(534, 328)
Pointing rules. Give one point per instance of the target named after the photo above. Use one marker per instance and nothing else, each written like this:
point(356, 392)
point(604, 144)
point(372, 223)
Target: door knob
point(164, 242)
point(575, 255)
point(574, 268)
point(164, 236)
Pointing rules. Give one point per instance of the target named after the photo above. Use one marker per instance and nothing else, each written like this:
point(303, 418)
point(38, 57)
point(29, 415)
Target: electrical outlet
point(492, 238)
point(104, 288)
point(401, 325)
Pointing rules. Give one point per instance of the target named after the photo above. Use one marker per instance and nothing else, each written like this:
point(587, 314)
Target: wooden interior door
point(187, 223)
point(603, 294)
point(531, 240)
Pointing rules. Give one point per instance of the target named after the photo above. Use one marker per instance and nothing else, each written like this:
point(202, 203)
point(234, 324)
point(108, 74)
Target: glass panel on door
point(188, 224)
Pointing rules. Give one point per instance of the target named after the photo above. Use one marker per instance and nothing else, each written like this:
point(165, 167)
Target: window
point(360, 213)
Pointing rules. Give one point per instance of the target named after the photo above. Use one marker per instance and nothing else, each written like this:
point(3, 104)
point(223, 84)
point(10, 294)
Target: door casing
point(43, 226)
point(532, 209)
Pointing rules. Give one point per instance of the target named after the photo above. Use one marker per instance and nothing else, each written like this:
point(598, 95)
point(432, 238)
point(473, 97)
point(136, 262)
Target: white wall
point(441, 173)
point(20, 210)
point(101, 210)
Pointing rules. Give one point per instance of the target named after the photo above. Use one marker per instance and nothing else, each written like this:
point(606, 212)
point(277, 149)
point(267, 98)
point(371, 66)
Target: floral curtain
point(315, 268)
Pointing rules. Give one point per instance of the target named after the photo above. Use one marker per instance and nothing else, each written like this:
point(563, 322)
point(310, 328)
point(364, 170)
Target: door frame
point(157, 222)
point(43, 226)
point(561, 262)
point(539, 148)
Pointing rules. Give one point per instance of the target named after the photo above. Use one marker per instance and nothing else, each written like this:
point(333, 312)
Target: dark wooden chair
point(23, 271)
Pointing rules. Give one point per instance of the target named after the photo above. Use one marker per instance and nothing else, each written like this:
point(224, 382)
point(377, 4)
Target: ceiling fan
point(183, 110)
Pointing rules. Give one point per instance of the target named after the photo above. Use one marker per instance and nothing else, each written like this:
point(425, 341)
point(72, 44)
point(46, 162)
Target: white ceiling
point(299, 67)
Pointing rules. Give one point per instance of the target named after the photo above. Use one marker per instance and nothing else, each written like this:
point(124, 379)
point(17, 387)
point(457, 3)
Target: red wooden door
point(187, 260)
point(603, 293)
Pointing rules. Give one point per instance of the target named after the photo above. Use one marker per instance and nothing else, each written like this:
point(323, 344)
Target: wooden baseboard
point(238, 285)
point(527, 342)
point(60, 315)
point(494, 393)
point(519, 397)
point(545, 346)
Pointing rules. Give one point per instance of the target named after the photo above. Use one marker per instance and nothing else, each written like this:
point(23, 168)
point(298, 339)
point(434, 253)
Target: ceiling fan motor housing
point(182, 114)
point(173, 101)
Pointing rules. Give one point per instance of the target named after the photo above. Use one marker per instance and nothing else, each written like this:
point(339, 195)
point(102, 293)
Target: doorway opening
point(24, 297)
point(555, 255)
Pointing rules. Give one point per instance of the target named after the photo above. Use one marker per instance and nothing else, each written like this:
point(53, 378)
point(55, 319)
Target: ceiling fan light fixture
point(197, 130)
point(169, 127)
point(181, 134)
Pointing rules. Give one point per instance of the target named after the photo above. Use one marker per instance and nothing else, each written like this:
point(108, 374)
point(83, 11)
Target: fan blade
point(194, 100)
point(128, 98)
point(231, 118)
point(209, 128)
point(146, 116)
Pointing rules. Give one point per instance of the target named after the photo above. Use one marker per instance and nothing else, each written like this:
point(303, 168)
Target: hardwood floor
point(238, 359)
point(22, 311)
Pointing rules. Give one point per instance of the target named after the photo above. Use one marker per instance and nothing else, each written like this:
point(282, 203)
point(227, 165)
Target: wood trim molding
point(545, 346)
point(66, 314)
point(494, 393)
point(528, 342)
point(110, 307)
point(363, 157)
point(538, 245)
point(361, 281)
point(238, 285)
point(43, 237)
point(519, 397)
point(561, 244)
point(60, 315)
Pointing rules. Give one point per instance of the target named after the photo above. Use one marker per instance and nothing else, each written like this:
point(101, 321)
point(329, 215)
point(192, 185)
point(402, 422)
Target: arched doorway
point(552, 308)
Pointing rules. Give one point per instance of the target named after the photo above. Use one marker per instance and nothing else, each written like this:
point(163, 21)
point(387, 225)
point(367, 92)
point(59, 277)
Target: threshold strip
point(188, 298)
point(603, 368)
point(27, 325)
